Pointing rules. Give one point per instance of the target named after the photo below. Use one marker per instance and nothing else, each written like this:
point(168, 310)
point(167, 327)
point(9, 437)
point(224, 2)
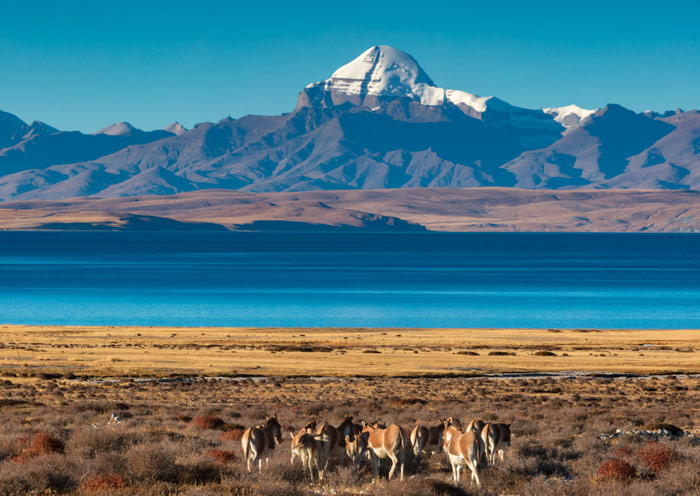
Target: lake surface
point(548, 280)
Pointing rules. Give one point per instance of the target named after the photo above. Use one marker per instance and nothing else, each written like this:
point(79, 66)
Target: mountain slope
point(589, 155)
point(378, 122)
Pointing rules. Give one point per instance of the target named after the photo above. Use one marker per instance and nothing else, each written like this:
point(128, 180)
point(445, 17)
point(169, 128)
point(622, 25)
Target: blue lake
point(550, 280)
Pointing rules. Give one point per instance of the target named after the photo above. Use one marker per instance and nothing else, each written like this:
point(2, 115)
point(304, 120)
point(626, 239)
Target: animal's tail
point(245, 444)
point(405, 440)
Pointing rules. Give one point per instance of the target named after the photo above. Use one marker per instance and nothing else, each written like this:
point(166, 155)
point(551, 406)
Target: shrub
point(99, 483)
point(544, 353)
point(221, 456)
point(207, 422)
point(47, 474)
point(655, 456)
point(89, 442)
point(183, 418)
point(151, 463)
point(42, 443)
point(616, 469)
point(232, 435)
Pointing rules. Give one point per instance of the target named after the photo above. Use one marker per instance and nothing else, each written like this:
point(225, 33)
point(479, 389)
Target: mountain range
point(378, 122)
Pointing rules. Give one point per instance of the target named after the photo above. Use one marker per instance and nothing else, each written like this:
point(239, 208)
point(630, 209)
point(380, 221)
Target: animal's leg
point(394, 462)
point(502, 454)
point(309, 464)
point(326, 455)
point(454, 472)
point(402, 460)
point(475, 473)
point(375, 468)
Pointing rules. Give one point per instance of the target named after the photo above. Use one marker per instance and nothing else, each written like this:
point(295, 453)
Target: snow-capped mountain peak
point(176, 128)
point(569, 116)
point(381, 70)
point(379, 73)
point(118, 129)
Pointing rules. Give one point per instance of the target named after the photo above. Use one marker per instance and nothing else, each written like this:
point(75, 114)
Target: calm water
point(305, 279)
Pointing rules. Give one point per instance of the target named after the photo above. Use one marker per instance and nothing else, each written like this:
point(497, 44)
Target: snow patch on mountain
point(458, 97)
point(569, 116)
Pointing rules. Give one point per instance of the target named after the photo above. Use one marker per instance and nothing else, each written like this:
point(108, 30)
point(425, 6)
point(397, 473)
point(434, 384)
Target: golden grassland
point(211, 351)
point(180, 435)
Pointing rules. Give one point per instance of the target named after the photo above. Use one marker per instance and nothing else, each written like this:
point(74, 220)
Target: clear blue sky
point(84, 65)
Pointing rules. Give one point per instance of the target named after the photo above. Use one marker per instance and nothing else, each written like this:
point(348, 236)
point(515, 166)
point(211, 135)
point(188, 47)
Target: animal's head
point(310, 426)
point(274, 427)
point(378, 425)
point(448, 432)
point(455, 422)
point(356, 447)
point(506, 434)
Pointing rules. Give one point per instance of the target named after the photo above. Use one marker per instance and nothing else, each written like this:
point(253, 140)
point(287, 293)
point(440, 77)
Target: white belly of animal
point(381, 452)
point(457, 460)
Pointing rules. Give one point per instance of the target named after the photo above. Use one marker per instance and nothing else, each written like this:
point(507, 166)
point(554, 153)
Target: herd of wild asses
point(316, 443)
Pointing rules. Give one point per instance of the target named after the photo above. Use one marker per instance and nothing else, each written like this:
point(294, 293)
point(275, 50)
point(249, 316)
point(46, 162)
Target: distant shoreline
point(389, 210)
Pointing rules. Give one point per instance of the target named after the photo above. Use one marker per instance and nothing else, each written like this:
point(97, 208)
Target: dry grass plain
point(162, 351)
point(184, 399)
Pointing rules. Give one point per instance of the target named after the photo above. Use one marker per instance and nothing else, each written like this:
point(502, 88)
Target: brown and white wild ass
point(331, 441)
point(356, 447)
point(424, 439)
point(261, 439)
point(462, 450)
point(496, 438)
point(392, 443)
point(305, 446)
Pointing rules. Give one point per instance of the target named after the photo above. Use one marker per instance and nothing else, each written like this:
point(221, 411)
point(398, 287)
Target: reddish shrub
point(206, 422)
point(232, 435)
point(655, 456)
point(221, 456)
point(98, 483)
point(42, 443)
point(623, 452)
point(616, 469)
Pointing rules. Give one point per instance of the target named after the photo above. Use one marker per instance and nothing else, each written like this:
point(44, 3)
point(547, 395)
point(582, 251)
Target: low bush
point(221, 456)
point(655, 456)
point(207, 422)
point(232, 434)
point(617, 469)
point(102, 482)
